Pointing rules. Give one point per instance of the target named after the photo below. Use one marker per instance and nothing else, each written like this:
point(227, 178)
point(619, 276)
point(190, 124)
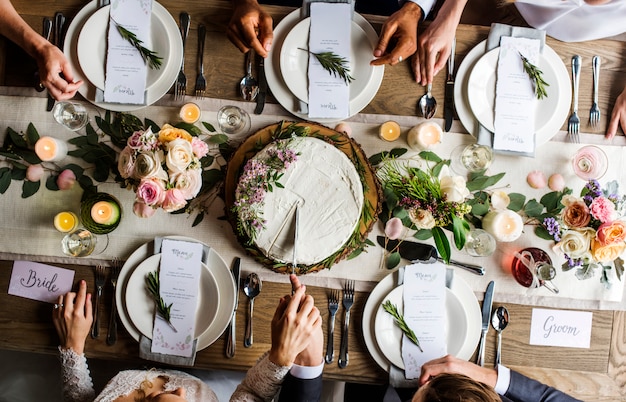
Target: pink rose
point(143, 210)
point(199, 147)
point(174, 200)
point(134, 141)
point(34, 172)
point(189, 182)
point(126, 162)
point(66, 180)
point(611, 233)
point(151, 192)
point(602, 209)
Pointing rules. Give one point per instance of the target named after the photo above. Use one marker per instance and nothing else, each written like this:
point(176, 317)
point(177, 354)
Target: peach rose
point(143, 210)
point(66, 180)
point(606, 253)
point(611, 233)
point(174, 200)
point(576, 213)
point(189, 182)
point(169, 133)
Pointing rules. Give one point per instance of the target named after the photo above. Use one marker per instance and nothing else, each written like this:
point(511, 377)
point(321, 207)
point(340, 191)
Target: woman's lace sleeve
point(77, 384)
point(261, 382)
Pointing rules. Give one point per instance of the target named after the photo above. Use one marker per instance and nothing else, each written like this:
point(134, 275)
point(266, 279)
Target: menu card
point(329, 95)
point(425, 313)
point(515, 96)
point(126, 71)
point(179, 275)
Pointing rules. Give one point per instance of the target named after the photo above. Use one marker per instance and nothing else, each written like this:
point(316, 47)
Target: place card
point(564, 328)
point(331, 25)
point(514, 121)
point(425, 313)
point(126, 70)
point(179, 276)
point(42, 282)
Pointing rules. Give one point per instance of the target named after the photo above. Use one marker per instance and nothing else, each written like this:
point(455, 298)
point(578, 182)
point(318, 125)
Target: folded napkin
point(145, 344)
point(397, 376)
point(484, 136)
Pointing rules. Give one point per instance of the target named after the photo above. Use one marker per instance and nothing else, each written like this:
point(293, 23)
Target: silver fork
point(100, 281)
point(333, 306)
point(573, 124)
point(180, 88)
point(348, 301)
point(594, 113)
point(112, 332)
point(200, 80)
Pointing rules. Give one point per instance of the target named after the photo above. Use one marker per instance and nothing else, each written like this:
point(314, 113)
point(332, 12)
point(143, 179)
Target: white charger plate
point(140, 304)
point(389, 335)
point(461, 290)
point(279, 88)
point(170, 70)
point(92, 47)
point(481, 91)
point(294, 62)
point(558, 116)
point(223, 278)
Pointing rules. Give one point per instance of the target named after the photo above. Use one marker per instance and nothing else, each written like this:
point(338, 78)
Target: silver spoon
point(251, 288)
point(427, 103)
point(499, 321)
point(248, 86)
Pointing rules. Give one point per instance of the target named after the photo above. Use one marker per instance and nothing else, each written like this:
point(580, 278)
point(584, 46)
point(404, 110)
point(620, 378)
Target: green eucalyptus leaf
point(79, 141)
point(552, 200)
point(393, 260)
point(198, 219)
point(533, 208)
point(209, 127)
point(31, 135)
point(28, 155)
point(92, 136)
point(460, 227)
point(430, 156)
point(51, 183)
point(218, 139)
point(29, 188)
point(18, 173)
point(442, 243)
point(211, 177)
point(483, 182)
point(152, 125)
point(5, 179)
point(543, 233)
point(480, 209)
point(190, 128)
point(423, 234)
point(517, 201)
point(207, 161)
point(17, 138)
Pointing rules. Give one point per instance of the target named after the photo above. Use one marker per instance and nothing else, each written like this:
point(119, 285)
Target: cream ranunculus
point(126, 162)
point(179, 155)
point(453, 187)
point(576, 243)
point(189, 182)
point(422, 218)
point(148, 165)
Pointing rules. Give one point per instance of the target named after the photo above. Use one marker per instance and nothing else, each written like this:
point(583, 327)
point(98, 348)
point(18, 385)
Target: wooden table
point(594, 374)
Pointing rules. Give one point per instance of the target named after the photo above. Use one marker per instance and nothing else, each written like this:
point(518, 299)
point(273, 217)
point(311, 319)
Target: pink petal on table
point(536, 179)
point(556, 182)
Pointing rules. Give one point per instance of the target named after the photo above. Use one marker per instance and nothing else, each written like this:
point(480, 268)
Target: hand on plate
point(72, 317)
point(402, 27)
point(451, 364)
point(56, 73)
point(618, 116)
point(250, 27)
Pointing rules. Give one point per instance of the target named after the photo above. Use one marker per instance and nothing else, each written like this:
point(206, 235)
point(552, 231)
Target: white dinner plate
point(389, 335)
point(481, 91)
point(279, 88)
point(557, 115)
point(461, 290)
point(140, 304)
point(221, 274)
point(92, 49)
point(294, 62)
point(156, 92)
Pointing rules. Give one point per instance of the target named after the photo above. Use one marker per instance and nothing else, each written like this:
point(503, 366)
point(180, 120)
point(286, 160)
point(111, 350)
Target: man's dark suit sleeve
point(524, 389)
point(299, 390)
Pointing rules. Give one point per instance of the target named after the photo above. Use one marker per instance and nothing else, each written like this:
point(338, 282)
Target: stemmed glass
point(71, 115)
point(471, 158)
point(233, 120)
point(479, 243)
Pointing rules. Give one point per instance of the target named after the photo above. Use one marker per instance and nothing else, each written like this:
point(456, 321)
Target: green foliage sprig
point(149, 56)
point(401, 323)
point(163, 310)
point(334, 64)
point(536, 76)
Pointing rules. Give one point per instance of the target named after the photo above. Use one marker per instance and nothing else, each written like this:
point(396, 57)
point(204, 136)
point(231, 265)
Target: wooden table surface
point(594, 374)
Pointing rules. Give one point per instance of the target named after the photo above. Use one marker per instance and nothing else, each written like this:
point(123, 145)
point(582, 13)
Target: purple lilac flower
point(553, 227)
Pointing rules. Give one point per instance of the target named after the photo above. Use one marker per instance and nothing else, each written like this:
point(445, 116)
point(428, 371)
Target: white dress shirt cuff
point(307, 372)
point(425, 5)
point(504, 379)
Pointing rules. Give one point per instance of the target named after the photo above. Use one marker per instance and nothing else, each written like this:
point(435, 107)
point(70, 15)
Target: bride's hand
point(72, 317)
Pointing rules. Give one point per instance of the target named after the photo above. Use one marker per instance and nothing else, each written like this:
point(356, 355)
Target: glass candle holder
point(389, 131)
point(190, 113)
point(100, 213)
point(65, 221)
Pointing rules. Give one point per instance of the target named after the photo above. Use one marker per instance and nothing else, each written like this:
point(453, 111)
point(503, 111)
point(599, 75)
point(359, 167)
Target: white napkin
point(329, 95)
point(126, 71)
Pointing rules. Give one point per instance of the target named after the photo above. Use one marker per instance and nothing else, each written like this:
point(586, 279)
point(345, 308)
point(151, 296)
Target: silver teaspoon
point(248, 86)
point(427, 103)
point(251, 288)
point(499, 321)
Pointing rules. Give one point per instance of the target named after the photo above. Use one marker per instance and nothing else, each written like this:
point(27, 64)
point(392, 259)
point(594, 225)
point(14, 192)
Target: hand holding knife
point(448, 108)
point(57, 40)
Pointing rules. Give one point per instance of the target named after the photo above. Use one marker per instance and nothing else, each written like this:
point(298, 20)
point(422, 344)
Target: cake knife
point(230, 341)
point(295, 243)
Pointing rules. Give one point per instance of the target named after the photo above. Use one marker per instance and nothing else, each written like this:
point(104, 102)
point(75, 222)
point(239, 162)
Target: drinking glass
point(590, 162)
point(532, 267)
point(72, 115)
point(471, 158)
point(233, 120)
point(79, 243)
point(479, 243)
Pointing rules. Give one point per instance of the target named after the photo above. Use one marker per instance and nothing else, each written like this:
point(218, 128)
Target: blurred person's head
point(455, 388)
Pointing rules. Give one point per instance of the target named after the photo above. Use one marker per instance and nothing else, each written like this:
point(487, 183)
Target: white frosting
point(327, 188)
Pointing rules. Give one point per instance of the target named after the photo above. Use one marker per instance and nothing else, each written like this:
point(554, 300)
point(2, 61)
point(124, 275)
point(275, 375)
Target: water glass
point(233, 120)
point(72, 115)
point(79, 243)
point(590, 162)
point(471, 158)
point(479, 243)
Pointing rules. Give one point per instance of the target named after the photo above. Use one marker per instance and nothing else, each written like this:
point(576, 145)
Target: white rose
point(189, 182)
point(148, 166)
point(422, 218)
point(453, 187)
point(576, 243)
point(179, 155)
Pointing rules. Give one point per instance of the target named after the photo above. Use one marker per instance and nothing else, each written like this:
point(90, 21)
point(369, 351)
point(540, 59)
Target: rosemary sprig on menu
point(535, 75)
point(147, 55)
point(334, 64)
point(163, 310)
point(393, 310)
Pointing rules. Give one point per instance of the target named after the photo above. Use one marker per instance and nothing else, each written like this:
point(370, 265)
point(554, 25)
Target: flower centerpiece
point(590, 230)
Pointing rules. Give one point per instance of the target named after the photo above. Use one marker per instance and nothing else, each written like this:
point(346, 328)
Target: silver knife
point(230, 341)
point(448, 105)
point(487, 302)
point(46, 32)
point(260, 98)
point(59, 22)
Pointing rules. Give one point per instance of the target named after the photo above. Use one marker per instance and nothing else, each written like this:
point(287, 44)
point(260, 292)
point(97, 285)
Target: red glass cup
point(532, 267)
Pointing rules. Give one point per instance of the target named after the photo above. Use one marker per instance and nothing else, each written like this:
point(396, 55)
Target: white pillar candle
point(424, 136)
point(50, 149)
point(504, 225)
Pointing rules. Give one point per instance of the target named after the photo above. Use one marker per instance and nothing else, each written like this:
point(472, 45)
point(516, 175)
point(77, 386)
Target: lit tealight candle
point(504, 225)
point(190, 113)
point(65, 221)
point(101, 212)
point(389, 131)
point(424, 136)
point(50, 149)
